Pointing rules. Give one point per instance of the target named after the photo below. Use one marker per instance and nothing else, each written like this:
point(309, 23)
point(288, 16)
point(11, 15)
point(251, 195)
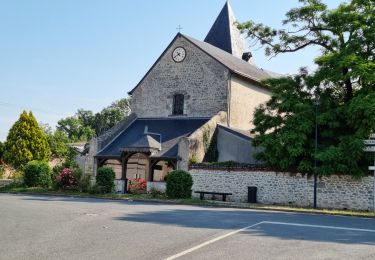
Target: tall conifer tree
point(26, 142)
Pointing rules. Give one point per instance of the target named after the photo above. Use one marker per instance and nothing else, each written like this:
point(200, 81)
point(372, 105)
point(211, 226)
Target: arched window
point(178, 104)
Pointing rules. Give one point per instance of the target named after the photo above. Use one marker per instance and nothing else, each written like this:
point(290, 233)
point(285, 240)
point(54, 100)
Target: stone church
point(195, 104)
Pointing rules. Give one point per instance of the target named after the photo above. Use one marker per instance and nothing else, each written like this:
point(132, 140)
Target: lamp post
point(316, 103)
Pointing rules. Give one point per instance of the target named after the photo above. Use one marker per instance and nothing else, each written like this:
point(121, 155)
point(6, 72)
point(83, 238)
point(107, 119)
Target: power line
point(6, 104)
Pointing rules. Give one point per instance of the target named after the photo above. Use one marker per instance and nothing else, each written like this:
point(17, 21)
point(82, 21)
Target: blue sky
point(59, 56)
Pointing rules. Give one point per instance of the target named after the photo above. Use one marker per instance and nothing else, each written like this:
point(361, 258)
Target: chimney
point(246, 56)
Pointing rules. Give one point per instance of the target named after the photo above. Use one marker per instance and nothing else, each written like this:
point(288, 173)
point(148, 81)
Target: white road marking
point(318, 226)
point(211, 241)
point(257, 224)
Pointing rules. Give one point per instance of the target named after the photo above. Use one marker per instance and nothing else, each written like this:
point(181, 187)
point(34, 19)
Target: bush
point(2, 172)
point(85, 183)
point(66, 179)
point(156, 193)
point(137, 186)
point(18, 177)
point(179, 184)
point(95, 189)
point(105, 178)
point(37, 173)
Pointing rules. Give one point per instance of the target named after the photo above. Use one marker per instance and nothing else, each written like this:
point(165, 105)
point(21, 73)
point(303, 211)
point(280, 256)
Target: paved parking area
point(44, 227)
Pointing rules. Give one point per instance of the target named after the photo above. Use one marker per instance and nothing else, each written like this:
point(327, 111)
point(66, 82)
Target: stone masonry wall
point(193, 145)
point(340, 192)
point(5, 182)
point(201, 79)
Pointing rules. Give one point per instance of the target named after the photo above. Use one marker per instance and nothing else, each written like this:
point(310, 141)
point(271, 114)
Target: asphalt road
point(43, 227)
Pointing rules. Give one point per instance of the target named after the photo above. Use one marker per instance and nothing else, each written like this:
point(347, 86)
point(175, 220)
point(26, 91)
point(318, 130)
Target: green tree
point(111, 115)
point(1, 151)
point(84, 125)
point(26, 142)
point(344, 85)
point(58, 143)
point(74, 129)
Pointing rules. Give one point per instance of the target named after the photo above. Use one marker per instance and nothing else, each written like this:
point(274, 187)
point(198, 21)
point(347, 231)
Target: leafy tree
point(26, 142)
point(1, 151)
point(343, 85)
point(85, 124)
point(74, 129)
point(111, 115)
point(57, 141)
point(86, 117)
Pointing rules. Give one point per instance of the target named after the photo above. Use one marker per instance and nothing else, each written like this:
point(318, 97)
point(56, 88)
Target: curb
point(203, 203)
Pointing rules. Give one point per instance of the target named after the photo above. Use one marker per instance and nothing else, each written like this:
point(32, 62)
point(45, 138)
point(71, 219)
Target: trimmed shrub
point(179, 184)
point(105, 179)
point(36, 174)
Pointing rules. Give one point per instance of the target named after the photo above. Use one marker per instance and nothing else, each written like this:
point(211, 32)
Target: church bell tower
point(225, 35)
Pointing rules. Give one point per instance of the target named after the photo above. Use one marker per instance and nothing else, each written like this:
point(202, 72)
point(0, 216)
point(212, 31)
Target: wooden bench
point(202, 193)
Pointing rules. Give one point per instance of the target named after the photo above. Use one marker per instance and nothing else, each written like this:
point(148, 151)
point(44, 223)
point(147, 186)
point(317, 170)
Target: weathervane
point(179, 28)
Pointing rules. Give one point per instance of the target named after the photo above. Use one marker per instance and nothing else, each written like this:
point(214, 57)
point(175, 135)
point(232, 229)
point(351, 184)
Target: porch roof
point(169, 129)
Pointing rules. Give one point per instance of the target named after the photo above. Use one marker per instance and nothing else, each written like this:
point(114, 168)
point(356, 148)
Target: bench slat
point(211, 192)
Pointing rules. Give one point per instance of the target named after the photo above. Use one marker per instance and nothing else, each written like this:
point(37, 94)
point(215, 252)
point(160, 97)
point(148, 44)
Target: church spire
point(225, 35)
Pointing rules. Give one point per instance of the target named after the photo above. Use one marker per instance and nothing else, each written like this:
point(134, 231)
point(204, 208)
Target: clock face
point(179, 54)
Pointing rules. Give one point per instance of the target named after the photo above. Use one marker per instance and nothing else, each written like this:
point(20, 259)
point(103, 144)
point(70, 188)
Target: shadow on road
point(231, 219)
point(234, 219)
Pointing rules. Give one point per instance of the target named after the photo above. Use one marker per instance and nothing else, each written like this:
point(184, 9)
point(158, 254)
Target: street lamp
point(317, 104)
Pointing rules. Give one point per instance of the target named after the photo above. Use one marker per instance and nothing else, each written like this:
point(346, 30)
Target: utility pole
point(316, 103)
point(370, 147)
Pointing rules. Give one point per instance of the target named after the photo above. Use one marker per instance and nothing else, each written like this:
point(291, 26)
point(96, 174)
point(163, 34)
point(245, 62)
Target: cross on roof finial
point(179, 28)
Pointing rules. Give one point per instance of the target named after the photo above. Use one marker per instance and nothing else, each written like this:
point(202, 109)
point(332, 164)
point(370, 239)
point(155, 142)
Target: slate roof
point(225, 35)
point(171, 130)
point(234, 64)
point(219, 34)
point(146, 143)
point(237, 132)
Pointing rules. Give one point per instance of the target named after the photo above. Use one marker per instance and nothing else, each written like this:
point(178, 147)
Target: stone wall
point(5, 182)
point(88, 161)
point(340, 192)
point(201, 79)
point(194, 145)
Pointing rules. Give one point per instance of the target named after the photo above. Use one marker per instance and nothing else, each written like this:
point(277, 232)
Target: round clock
point(179, 54)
